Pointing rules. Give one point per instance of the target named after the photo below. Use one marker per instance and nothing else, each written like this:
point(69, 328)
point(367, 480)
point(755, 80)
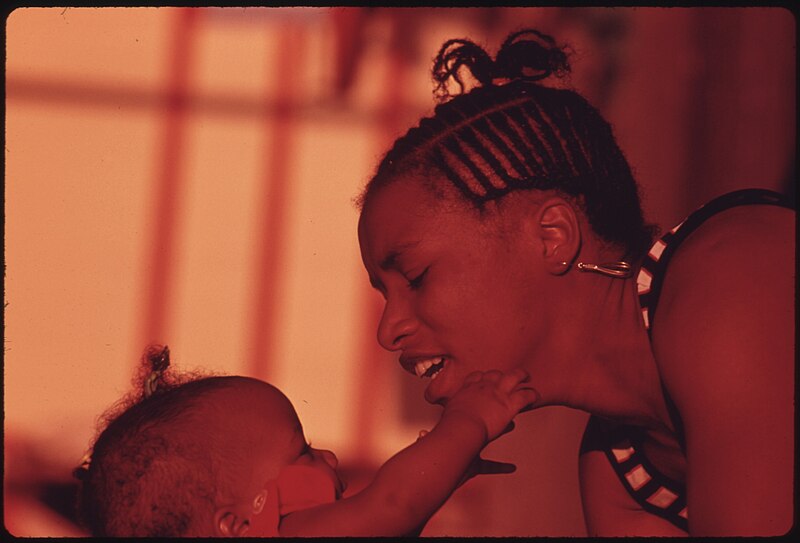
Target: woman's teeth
point(429, 367)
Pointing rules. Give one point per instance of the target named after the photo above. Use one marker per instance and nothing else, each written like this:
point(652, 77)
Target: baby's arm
point(414, 483)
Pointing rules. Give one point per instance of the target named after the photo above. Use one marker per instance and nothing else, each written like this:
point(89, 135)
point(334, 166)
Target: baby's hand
point(493, 399)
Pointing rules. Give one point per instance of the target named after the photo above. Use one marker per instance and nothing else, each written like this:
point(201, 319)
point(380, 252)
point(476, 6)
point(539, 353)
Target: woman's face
point(459, 296)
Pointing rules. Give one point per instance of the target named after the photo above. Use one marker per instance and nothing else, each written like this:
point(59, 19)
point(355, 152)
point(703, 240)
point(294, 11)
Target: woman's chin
point(433, 396)
point(443, 385)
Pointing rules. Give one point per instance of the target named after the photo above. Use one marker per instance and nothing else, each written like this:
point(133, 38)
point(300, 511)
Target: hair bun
point(156, 360)
point(156, 357)
point(525, 55)
point(81, 473)
point(521, 57)
point(452, 56)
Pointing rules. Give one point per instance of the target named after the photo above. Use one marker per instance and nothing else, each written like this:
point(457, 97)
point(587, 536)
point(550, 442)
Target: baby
point(226, 456)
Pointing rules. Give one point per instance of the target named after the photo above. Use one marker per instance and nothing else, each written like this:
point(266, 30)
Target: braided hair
point(144, 476)
point(512, 133)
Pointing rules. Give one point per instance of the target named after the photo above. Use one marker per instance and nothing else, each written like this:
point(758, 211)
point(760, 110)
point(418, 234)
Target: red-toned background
point(186, 176)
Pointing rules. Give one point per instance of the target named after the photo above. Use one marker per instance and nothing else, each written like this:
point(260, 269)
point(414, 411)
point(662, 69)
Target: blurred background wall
point(186, 176)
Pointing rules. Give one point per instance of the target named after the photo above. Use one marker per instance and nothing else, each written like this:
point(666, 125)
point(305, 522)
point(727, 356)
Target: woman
point(506, 231)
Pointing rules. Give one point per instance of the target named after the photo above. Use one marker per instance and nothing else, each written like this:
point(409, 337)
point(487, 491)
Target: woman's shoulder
point(768, 226)
point(730, 248)
point(736, 265)
point(723, 343)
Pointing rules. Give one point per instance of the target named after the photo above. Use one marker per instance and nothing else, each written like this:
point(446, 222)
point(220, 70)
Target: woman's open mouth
point(429, 367)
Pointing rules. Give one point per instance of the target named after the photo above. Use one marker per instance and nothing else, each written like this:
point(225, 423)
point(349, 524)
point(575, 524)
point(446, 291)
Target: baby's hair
point(512, 133)
point(143, 476)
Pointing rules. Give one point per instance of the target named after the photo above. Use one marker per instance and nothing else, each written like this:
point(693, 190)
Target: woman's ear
point(227, 523)
point(560, 234)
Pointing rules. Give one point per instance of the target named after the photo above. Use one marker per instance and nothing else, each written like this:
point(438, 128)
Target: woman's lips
point(422, 365)
point(429, 367)
point(433, 367)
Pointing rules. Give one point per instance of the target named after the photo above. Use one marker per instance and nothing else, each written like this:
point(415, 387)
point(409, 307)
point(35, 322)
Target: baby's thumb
point(524, 399)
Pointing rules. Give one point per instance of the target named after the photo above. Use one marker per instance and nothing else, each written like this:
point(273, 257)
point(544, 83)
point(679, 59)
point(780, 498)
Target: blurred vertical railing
point(169, 181)
point(390, 119)
point(279, 131)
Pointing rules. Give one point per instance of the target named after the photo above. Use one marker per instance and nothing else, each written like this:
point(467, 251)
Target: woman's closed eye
point(416, 282)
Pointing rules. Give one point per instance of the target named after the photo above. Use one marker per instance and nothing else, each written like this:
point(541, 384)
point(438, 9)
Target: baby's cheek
point(304, 486)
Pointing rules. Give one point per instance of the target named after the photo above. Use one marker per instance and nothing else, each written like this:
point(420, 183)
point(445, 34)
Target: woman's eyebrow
point(390, 260)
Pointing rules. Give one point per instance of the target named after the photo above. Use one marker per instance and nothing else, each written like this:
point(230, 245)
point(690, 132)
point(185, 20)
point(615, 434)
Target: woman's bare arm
point(724, 342)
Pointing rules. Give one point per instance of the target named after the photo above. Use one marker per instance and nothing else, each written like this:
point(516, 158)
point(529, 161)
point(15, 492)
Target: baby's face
point(273, 470)
point(269, 433)
point(325, 461)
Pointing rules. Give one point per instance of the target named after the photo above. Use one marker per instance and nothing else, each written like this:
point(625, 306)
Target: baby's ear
point(228, 524)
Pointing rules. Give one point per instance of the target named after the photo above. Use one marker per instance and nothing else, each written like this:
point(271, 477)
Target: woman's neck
point(598, 358)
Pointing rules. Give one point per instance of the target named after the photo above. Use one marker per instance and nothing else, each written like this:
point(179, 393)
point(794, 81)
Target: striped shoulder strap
point(651, 275)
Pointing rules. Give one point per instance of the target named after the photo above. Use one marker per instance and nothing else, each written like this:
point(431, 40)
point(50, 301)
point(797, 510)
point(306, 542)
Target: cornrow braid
point(521, 135)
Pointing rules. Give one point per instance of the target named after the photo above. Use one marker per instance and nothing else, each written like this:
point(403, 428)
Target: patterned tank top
point(653, 491)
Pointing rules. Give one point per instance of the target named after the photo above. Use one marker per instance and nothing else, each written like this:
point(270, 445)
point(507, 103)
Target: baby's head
point(200, 458)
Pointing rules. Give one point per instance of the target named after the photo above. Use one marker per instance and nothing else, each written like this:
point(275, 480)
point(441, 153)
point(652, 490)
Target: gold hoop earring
point(620, 269)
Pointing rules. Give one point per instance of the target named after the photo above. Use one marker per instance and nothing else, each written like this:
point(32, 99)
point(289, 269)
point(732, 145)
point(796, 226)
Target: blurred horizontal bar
point(226, 105)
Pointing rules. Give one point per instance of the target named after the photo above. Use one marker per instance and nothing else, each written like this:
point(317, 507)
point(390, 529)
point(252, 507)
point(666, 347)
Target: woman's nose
point(395, 324)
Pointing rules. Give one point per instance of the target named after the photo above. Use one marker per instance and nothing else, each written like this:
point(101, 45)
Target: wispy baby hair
point(145, 476)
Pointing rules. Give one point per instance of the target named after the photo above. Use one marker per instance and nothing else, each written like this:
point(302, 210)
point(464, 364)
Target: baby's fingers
point(523, 399)
point(493, 376)
point(512, 378)
point(473, 377)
